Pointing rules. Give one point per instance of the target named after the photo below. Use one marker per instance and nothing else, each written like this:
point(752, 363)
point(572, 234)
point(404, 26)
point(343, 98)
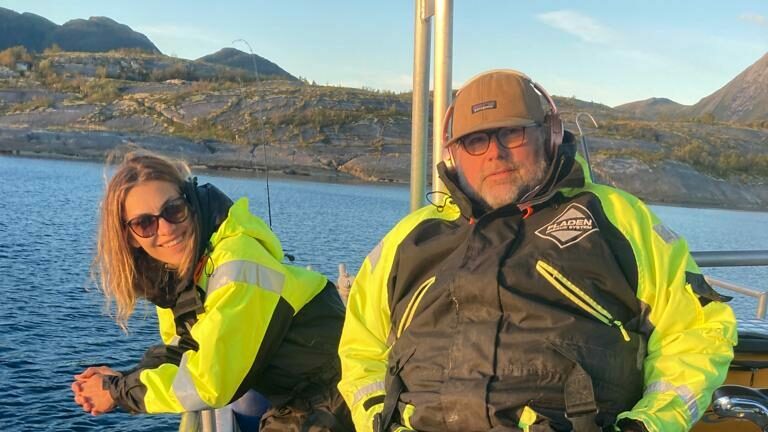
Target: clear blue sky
point(610, 52)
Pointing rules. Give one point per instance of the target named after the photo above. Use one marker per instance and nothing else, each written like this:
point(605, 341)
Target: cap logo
point(572, 225)
point(476, 108)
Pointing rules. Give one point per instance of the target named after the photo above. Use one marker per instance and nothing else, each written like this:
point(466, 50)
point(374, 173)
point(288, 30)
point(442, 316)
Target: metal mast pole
point(443, 87)
point(420, 101)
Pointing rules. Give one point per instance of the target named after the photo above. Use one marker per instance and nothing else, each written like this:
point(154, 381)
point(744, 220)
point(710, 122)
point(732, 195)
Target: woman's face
point(152, 208)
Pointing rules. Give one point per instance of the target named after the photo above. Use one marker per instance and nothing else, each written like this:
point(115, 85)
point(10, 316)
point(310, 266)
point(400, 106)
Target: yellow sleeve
point(250, 302)
point(230, 333)
point(363, 348)
point(166, 325)
point(365, 339)
point(690, 346)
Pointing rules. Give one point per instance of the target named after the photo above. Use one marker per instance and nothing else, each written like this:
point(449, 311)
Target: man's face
point(501, 175)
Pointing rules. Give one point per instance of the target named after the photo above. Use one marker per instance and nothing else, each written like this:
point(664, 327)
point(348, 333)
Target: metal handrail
point(197, 421)
point(762, 296)
point(747, 258)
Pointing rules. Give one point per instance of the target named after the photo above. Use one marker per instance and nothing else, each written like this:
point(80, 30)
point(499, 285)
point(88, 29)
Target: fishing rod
point(261, 131)
point(584, 148)
point(290, 257)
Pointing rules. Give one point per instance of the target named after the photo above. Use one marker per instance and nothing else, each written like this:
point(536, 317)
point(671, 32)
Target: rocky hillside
point(743, 99)
point(252, 64)
point(57, 69)
point(310, 129)
point(69, 106)
point(96, 34)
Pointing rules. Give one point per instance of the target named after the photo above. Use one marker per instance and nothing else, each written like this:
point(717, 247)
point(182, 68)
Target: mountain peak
point(96, 34)
point(744, 98)
point(652, 108)
point(235, 58)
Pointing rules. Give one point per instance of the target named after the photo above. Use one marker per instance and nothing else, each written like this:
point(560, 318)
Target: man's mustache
point(513, 166)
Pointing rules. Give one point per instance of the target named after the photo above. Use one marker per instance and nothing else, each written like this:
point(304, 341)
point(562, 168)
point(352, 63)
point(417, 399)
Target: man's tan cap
point(494, 99)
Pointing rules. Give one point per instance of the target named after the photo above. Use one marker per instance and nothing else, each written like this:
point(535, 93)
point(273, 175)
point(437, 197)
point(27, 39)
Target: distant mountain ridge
point(744, 99)
point(99, 34)
point(27, 29)
point(235, 58)
point(102, 34)
point(96, 34)
point(652, 108)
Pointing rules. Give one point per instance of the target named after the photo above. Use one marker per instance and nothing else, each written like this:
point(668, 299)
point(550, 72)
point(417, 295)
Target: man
point(531, 299)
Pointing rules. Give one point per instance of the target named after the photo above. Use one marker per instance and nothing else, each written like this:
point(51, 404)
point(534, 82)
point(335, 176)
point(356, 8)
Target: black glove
point(631, 425)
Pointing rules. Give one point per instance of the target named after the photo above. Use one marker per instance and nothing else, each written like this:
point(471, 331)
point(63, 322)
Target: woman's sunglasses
point(175, 211)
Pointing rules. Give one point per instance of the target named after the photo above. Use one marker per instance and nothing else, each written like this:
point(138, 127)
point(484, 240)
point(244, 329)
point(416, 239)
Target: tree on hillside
point(53, 49)
point(9, 57)
point(707, 118)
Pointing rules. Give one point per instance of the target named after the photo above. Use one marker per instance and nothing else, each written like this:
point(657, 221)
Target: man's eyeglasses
point(478, 143)
point(175, 211)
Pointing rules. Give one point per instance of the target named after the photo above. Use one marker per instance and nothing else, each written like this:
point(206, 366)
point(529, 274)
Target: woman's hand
point(89, 390)
point(91, 371)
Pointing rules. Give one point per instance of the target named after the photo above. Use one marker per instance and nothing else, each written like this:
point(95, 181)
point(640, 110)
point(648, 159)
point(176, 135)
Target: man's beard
point(527, 178)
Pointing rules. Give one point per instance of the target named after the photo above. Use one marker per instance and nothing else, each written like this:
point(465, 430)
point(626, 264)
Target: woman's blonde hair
point(124, 272)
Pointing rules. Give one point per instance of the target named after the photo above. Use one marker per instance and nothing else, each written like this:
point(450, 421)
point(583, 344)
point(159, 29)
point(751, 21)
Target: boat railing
point(753, 258)
point(761, 296)
point(218, 420)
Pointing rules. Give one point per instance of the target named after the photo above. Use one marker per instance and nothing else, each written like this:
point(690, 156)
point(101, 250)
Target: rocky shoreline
point(667, 182)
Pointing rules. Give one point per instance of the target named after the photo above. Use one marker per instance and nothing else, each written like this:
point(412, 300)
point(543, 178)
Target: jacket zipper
point(579, 297)
point(410, 310)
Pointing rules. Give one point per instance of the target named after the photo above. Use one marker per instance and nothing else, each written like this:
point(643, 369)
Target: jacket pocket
point(410, 309)
point(579, 297)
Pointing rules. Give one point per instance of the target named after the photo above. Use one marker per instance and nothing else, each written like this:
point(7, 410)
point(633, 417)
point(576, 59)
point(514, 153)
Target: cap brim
point(509, 122)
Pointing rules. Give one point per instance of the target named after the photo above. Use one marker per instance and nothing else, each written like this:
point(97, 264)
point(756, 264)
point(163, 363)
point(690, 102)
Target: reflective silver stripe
point(246, 272)
point(365, 391)
point(184, 388)
point(374, 256)
point(666, 233)
point(683, 392)
point(175, 340)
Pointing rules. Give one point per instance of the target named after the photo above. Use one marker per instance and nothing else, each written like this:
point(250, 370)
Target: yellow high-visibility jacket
point(485, 318)
point(261, 324)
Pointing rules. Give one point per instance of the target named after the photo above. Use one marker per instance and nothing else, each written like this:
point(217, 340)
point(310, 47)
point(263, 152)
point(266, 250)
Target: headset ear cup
point(557, 130)
point(447, 156)
point(552, 122)
point(553, 132)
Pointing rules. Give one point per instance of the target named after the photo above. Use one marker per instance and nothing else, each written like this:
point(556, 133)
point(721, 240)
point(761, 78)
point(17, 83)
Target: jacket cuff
point(127, 391)
point(631, 425)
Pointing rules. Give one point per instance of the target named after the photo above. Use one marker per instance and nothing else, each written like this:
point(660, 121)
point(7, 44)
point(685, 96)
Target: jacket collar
point(211, 206)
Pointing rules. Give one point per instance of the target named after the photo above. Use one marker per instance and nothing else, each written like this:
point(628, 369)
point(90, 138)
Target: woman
point(232, 316)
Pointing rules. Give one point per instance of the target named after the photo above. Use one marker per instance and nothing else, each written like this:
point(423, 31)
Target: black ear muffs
point(450, 163)
point(553, 124)
point(447, 154)
point(553, 131)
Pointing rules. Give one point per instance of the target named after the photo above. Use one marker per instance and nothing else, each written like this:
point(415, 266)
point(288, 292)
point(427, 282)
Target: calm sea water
point(52, 324)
